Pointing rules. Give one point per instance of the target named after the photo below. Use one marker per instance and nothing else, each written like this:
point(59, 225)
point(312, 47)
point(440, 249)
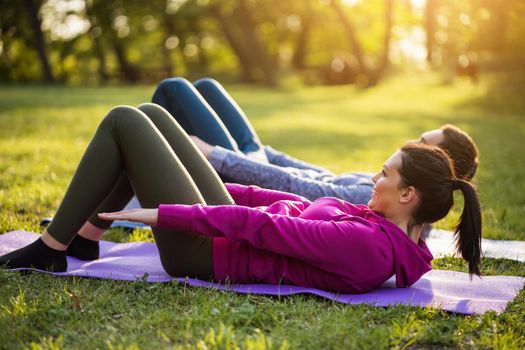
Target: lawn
point(44, 130)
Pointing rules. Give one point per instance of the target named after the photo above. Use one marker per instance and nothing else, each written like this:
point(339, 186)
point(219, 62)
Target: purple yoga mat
point(448, 290)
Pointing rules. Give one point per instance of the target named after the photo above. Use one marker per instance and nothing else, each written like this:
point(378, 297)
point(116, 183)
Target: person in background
point(224, 134)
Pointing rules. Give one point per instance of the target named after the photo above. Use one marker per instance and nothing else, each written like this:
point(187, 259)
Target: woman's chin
point(373, 205)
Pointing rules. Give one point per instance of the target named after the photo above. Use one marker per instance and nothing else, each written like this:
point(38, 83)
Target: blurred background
point(311, 42)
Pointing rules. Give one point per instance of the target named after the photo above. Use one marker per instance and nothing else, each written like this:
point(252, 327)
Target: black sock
point(83, 248)
point(37, 255)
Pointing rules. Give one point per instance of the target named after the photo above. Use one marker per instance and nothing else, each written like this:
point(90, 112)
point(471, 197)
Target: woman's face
point(387, 190)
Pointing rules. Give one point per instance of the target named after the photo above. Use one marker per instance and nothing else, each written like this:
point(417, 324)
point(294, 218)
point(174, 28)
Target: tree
point(32, 7)
point(95, 34)
point(115, 33)
point(240, 31)
point(368, 76)
point(300, 47)
point(430, 28)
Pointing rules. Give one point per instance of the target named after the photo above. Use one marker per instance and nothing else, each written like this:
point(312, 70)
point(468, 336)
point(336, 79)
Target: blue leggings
point(206, 110)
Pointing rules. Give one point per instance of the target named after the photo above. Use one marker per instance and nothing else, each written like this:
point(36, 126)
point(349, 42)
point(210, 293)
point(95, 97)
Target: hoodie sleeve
point(330, 245)
point(254, 196)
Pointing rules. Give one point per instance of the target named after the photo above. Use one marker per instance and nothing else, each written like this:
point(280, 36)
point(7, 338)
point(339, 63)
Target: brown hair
point(462, 149)
point(429, 169)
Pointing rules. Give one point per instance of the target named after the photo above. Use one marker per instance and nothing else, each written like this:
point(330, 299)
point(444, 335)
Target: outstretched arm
point(146, 216)
point(325, 244)
point(329, 245)
point(254, 196)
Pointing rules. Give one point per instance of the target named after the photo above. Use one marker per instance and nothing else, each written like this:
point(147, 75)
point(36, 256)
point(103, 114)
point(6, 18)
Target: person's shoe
point(83, 248)
point(36, 255)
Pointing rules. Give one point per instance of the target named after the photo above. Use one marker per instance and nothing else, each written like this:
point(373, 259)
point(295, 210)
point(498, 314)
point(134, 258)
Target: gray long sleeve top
point(285, 173)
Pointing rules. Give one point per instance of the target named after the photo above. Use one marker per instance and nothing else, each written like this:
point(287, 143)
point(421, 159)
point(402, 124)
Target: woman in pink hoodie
point(247, 234)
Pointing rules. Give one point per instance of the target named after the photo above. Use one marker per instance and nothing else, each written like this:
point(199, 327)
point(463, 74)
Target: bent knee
point(205, 83)
point(173, 84)
point(157, 114)
point(123, 114)
point(149, 107)
point(120, 112)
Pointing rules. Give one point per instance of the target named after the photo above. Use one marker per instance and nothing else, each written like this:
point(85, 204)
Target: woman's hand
point(204, 147)
point(146, 216)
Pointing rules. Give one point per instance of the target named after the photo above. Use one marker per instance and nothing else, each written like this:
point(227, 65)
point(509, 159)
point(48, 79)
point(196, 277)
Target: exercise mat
point(448, 290)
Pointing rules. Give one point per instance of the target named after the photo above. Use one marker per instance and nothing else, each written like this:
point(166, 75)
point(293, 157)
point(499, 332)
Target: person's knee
point(157, 114)
point(172, 85)
point(122, 115)
point(206, 83)
point(117, 113)
point(151, 108)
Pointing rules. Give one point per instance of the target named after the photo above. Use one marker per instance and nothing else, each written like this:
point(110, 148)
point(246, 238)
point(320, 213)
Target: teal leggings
point(143, 151)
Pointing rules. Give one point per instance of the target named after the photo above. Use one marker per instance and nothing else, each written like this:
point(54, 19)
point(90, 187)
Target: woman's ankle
point(83, 248)
point(91, 232)
point(51, 242)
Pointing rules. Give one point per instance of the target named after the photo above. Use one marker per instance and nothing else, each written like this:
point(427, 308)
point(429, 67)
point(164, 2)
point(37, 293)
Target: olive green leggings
point(143, 151)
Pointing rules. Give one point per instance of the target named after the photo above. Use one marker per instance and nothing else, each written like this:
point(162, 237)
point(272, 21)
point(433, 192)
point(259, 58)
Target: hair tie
point(456, 184)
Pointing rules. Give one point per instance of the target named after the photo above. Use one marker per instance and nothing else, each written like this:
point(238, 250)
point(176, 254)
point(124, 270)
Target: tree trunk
point(97, 45)
point(254, 45)
point(430, 28)
point(234, 42)
point(99, 52)
point(100, 12)
point(370, 77)
point(39, 41)
point(128, 71)
point(384, 60)
point(350, 32)
point(203, 60)
point(301, 42)
point(166, 53)
point(499, 24)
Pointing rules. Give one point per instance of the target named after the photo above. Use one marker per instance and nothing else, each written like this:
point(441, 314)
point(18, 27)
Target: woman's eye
point(383, 173)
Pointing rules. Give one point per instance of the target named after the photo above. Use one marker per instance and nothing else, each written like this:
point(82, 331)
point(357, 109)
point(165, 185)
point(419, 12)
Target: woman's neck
point(404, 224)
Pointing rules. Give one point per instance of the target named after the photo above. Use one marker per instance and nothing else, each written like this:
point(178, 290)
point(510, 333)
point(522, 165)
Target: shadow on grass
point(504, 96)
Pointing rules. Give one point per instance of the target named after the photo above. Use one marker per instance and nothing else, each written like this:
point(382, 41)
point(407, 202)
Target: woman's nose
point(375, 177)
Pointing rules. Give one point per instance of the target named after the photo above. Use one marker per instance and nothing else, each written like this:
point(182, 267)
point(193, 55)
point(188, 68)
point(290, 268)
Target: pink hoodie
point(276, 237)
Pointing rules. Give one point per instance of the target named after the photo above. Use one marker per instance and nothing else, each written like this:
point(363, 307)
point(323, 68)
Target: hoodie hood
point(411, 260)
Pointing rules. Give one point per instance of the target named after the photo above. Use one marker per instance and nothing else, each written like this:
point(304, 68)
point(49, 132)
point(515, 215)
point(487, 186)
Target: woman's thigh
point(180, 98)
point(200, 170)
point(230, 113)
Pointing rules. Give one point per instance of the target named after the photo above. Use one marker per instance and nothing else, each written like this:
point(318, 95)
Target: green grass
point(44, 130)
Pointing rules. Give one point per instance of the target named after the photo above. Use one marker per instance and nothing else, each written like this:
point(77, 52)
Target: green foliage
point(44, 130)
point(102, 41)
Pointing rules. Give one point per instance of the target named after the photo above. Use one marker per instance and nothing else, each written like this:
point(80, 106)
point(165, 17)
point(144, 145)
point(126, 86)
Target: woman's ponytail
point(430, 170)
point(468, 229)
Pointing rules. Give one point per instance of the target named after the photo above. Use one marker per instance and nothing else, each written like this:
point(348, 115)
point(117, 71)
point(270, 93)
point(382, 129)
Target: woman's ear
point(408, 195)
